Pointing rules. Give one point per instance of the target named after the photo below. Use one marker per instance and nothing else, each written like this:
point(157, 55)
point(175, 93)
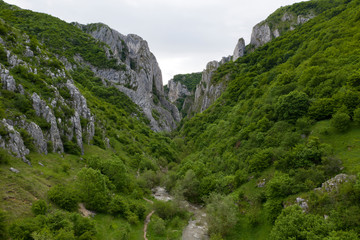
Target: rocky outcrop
point(261, 34)
point(334, 183)
point(140, 77)
point(239, 50)
point(44, 111)
point(7, 80)
point(206, 91)
point(267, 30)
point(177, 90)
point(13, 142)
point(36, 133)
point(79, 104)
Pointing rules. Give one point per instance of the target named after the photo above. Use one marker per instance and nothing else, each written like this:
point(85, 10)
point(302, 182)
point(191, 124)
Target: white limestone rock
point(239, 50)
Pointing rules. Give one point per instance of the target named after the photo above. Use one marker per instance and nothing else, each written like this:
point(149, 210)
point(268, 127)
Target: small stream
point(197, 227)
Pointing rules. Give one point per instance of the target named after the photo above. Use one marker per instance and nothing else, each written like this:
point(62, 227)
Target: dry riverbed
point(197, 227)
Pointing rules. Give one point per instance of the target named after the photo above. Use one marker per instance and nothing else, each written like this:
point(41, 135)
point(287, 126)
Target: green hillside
point(275, 157)
point(289, 117)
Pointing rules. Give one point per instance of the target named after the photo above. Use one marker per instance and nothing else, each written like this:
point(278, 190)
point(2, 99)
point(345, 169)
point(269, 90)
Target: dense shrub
point(94, 189)
point(340, 121)
point(293, 223)
point(4, 156)
point(118, 206)
point(72, 148)
point(292, 106)
point(221, 214)
point(39, 207)
point(157, 225)
point(64, 196)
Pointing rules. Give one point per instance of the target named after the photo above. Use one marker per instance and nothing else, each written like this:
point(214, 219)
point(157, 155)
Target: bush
point(157, 225)
point(340, 121)
point(4, 156)
point(118, 206)
point(94, 189)
point(39, 207)
point(292, 106)
point(64, 196)
point(294, 224)
point(83, 227)
point(23, 229)
point(221, 214)
point(356, 117)
point(3, 229)
point(72, 148)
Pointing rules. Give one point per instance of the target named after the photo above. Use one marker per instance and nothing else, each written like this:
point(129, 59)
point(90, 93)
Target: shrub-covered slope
point(261, 143)
point(50, 116)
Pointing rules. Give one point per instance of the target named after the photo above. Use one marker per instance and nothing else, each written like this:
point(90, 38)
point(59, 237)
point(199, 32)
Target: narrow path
point(146, 223)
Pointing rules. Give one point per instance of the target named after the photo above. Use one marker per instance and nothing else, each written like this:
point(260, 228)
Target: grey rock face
point(141, 80)
point(303, 204)
point(333, 183)
point(36, 133)
point(177, 90)
point(13, 142)
point(303, 19)
point(44, 111)
point(239, 50)
point(287, 17)
point(28, 52)
point(7, 80)
point(207, 92)
point(262, 32)
point(81, 110)
point(260, 35)
point(14, 170)
point(75, 120)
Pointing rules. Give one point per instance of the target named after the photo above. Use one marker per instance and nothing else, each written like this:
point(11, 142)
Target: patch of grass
point(346, 146)
point(19, 190)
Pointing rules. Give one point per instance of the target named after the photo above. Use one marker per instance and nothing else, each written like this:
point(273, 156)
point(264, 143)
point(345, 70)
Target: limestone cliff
point(140, 78)
point(277, 24)
point(57, 127)
point(176, 90)
point(206, 91)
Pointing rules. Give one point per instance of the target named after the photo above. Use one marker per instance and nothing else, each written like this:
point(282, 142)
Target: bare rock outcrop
point(177, 90)
point(140, 77)
point(268, 30)
point(13, 142)
point(206, 91)
point(44, 111)
point(239, 50)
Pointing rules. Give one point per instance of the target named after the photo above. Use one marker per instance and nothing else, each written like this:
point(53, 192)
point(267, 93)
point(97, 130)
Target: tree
point(340, 121)
point(93, 188)
point(356, 117)
point(292, 106)
point(190, 186)
point(221, 214)
point(293, 223)
point(64, 196)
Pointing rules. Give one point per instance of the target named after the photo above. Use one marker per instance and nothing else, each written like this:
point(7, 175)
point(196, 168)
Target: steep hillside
point(283, 20)
point(264, 141)
point(82, 140)
point(124, 62)
point(272, 153)
point(141, 80)
point(181, 89)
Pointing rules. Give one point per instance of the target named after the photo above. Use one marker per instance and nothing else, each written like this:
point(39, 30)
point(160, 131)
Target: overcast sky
point(184, 35)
